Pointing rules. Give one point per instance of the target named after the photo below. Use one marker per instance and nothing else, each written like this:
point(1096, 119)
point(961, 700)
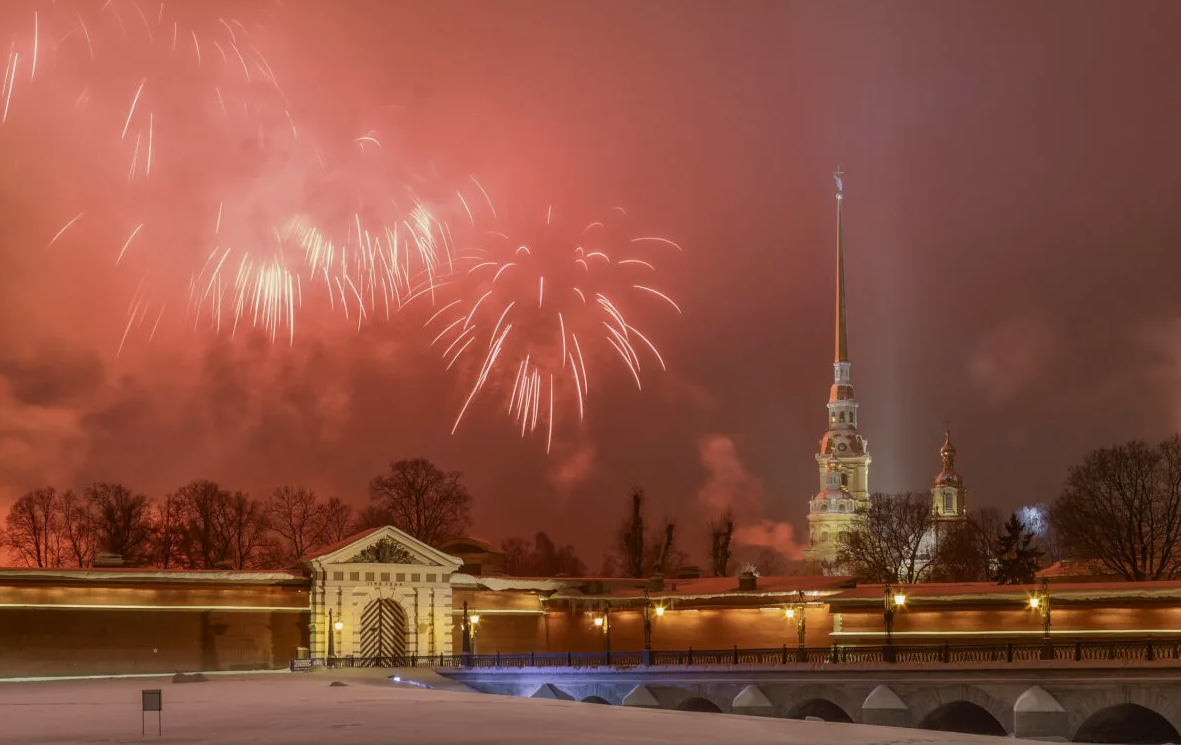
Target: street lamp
point(649, 609)
point(796, 612)
point(1040, 602)
point(332, 635)
point(465, 628)
point(892, 601)
point(603, 623)
point(474, 624)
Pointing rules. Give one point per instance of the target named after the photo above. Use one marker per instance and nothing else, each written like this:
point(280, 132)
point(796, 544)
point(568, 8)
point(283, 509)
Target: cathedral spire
point(842, 350)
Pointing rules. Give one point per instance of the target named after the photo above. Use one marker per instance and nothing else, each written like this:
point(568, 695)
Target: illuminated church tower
point(949, 494)
point(843, 458)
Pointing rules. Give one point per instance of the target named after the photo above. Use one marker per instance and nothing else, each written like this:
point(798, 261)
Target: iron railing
point(1047, 650)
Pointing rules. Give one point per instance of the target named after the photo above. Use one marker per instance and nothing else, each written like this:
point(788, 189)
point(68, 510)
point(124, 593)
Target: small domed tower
point(949, 496)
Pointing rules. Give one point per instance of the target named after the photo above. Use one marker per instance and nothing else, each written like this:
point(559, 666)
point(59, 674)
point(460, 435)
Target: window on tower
point(948, 502)
point(842, 417)
point(824, 537)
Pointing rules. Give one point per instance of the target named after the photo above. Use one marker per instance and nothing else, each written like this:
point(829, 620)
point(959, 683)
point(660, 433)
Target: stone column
point(1038, 715)
point(883, 707)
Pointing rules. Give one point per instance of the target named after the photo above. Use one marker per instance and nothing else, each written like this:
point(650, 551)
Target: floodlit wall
point(573, 630)
point(96, 622)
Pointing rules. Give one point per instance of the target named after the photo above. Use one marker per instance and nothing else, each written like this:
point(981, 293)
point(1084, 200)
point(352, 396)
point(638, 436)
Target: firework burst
point(537, 317)
point(226, 194)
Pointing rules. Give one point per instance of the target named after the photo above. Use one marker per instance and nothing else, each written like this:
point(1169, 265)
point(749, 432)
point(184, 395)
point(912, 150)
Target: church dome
point(948, 476)
point(948, 448)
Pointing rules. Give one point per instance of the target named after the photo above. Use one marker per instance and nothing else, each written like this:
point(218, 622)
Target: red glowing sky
point(1010, 219)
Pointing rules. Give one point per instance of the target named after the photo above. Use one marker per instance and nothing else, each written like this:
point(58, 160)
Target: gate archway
point(383, 629)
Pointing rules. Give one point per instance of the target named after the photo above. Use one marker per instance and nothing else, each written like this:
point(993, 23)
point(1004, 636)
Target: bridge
point(1110, 703)
point(1100, 691)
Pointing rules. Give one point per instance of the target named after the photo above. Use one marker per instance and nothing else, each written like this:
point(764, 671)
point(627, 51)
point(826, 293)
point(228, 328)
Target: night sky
point(1011, 226)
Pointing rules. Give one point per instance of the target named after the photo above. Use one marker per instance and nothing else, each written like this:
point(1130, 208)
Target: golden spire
point(842, 351)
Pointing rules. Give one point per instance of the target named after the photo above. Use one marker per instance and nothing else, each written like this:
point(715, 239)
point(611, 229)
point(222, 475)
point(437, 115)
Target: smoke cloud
point(729, 485)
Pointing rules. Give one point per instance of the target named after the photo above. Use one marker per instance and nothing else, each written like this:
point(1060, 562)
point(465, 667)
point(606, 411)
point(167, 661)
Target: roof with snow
point(986, 592)
point(148, 574)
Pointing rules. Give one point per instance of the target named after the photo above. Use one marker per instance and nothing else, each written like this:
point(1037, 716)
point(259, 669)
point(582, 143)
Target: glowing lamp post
point(796, 613)
point(603, 624)
point(1040, 603)
point(474, 621)
point(892, 601)
point(332, 634)
point(648, 610)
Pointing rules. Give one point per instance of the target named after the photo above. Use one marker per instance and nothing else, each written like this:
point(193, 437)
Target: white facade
point(390, 593)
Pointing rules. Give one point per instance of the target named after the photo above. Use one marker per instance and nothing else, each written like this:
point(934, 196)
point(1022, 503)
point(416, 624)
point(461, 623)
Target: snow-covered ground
point(303, 709)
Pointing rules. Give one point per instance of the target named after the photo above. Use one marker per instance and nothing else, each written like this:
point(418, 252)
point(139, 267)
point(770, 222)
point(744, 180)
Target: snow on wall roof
point(937, 592)
point(133, 574)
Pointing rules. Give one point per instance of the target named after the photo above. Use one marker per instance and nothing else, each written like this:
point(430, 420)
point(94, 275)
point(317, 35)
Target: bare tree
point(1121, 510)
point(122, 520)
point(721, 534)
point(168, 532)
point(518, 556)
point(299, 521)
point(337, 520)
point(631, 535)
point(541, 558)
point(422, 500)
point(890, 539)
point(243, 522)
point(204, 543)
point(32, 529)
point(76, 526)
point(667, 557)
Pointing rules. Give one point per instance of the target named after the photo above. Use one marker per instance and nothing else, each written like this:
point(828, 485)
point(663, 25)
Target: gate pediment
point(385, 545)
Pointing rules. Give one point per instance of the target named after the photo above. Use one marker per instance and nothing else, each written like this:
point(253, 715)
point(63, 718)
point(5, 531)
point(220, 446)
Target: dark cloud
point(52, 376)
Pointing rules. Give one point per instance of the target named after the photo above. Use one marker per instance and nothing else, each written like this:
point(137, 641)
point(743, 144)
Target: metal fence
point(1075, 651)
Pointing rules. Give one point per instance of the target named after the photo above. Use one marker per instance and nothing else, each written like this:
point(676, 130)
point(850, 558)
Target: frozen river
point(303, 709)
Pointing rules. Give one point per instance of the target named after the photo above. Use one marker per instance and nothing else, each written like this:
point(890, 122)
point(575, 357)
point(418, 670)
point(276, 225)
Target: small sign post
point(153, 700)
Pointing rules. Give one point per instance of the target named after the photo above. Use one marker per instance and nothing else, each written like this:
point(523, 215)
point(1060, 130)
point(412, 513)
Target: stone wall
point(40, 642)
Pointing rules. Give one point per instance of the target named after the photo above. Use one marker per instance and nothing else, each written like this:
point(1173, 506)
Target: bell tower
point(949, 493)
point(843, 460)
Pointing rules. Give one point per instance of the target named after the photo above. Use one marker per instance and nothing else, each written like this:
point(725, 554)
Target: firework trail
point(226, 193)
point(542, 313)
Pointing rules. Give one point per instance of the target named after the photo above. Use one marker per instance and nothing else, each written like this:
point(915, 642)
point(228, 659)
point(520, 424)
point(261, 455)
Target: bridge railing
point(1044, 650)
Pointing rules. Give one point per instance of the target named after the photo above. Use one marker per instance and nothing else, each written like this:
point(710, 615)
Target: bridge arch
point(820, 708)
point(964, 717)
point(801, 702)
point(596, 700)
point(1127, 723)
point(698, 703)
